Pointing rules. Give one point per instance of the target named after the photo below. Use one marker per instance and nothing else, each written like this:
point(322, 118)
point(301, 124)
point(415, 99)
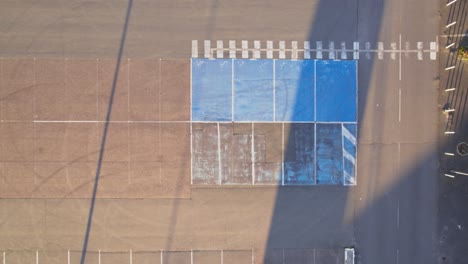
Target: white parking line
point(380, 48)
point(270, 49)
point(393, 46)
point(318, 54)
point(256, 54)
point(343, 51)
point(407, 48)
point(194, 48)
point(219, 49)
point(232, 49)
point(219, 156)
point(356, 50)
point(433, 54)
point(306, 50)
point(282, 46)
point(368, 47)
point(245, 47)
point(420, 50)
point(294, 54)
point(207, 44)
point(331, 50)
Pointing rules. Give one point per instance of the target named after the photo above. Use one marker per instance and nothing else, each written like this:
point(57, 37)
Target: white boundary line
point(282, 154)
point(68, 257)
point(315, 119)
point(180, 122)
point(191, 128)
point(342, 154)
point(253, 154)
point(219, 156)
point(131, 257)
point(315, 153)
point(232, 90)
point(194, 48)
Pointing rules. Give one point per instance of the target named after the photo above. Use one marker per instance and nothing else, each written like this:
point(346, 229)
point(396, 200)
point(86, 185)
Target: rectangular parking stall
point(286, 122)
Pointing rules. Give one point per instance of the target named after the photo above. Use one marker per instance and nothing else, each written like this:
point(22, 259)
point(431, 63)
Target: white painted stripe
point(4, 257)
point(282, 154)
point(274, 90)
point(343, 156)
point(131, 257)
point(207, 44)
point(451, 24)
point(449, 132)
point(407, 48)
point(451, 2)
point(450, 89)
point(232, 49)
point(256, 54)
point(350, 177)
point(306, 50)
point(219, 156)
point(232, 91)
point(450, 68)
point(348, 135)
point(449, 175)
point(194, 48)
point(37, 256)
point(282, 52)
point(420, 50)
point(356, 50)
point(331, 50)
point(219, 49)
point(449, 154)
point(270, 49)
point(448, 46)
point(459, 172)
point(99, 257)
point(344, 55)
point(433, 54)
point(161, 257)
point(348, 156)
point(245, 47)
point(380, 47)
point(393, 45)
point(68, 257)
point(318, 54)
point(368, 47)
point(294, 54)
point(191, 256)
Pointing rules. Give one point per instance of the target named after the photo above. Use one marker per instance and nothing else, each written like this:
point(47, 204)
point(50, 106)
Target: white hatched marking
point(331, 50)
point(245, 49)
point(348, 135)
point(344, 55)
point(194, 48)
point(294, 50)
point(348, 156)
point(282, 53)
point(420, 50)
point(270, 49)
point(219, 49)
point(350, 177)
point(306, 50)
point(380, 46)
point(319, 50)
point(232, 49)
point(356, 50)
point(368, 47)
point(393, 45)
point(256, 54)
point(207, 48)
point(433, 46)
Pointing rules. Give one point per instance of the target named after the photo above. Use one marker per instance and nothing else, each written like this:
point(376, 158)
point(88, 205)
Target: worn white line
point(344, 151)
point(315, 153)
point(222, 256)
point(449, 175)
point(232, 91)
point(348, 156)
point(407, 49)
point(219, 49)
point(161, 256)
point(256, 54)
point(420, 48)
point(131, 257)
point(194, 48)
point(454, 35)
point(393, 45)
point(398, 214)
point(294, 54)
point(397, 256)
point(368, 47)
point(282, 47)
point(306, 50)
point(253, 256)
point(269, 49)
point(37, 256)
point(99, 257)
point(318, 54)
point(380, 47)
point(399, 104)
point(451, 24)
point(191, 256)
point(207, 44)
point(232, 49)
point(343, 51)
point(399, 72)
point(433, 47)
point(253, 154)
point(68, 257)
point(459, 172)
point(191, 130)
point(219, 156)
point(245, 49)
point(331, 50)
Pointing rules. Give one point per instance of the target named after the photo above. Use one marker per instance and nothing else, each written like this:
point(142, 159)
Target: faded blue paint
point(329, 154)
point(211, 90)
point(253, 90)
point(294, 90)
point(336, 91)
point(301, 144)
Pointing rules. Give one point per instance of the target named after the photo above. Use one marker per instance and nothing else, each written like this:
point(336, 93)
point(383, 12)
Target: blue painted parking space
point(211, 90)
point(336, 91)
point(294, 90)
point(253, 90)
point(329, 154)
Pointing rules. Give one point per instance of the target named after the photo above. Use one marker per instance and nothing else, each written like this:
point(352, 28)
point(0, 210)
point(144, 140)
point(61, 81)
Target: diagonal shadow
point(104, 134)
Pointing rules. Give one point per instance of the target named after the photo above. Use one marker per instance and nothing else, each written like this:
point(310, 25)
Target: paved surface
point(389, 216)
